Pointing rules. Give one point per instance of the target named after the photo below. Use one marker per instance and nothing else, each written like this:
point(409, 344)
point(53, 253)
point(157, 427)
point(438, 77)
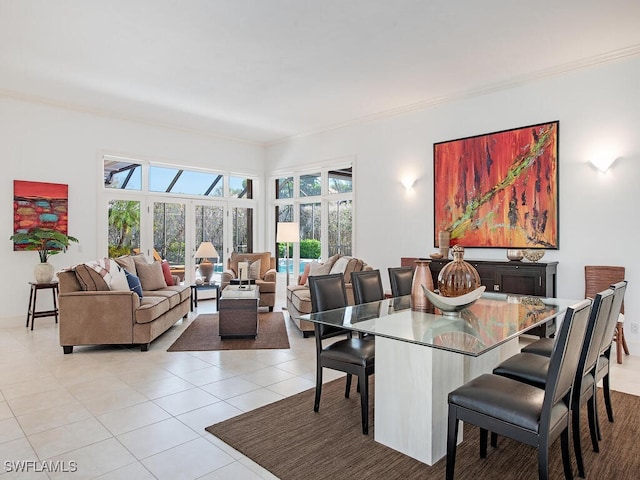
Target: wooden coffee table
point(238, 311)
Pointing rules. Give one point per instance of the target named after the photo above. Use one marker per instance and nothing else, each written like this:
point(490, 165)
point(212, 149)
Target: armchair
point(264, 274)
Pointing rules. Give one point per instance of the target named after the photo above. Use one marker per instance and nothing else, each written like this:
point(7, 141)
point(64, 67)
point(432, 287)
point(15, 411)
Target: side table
point(204, 286)
point(32, 313)
point(238, 312)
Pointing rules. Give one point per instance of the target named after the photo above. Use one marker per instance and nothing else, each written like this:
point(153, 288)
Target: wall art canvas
point(39, 205)
point(499, 189)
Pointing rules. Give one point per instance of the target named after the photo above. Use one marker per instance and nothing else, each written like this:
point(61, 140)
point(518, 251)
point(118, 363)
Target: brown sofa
point(299, 298)
point(91, 313)
point(264, 277)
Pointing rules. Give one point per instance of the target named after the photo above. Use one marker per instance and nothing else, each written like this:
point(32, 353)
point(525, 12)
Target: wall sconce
point(408, 183)
point(603, 164)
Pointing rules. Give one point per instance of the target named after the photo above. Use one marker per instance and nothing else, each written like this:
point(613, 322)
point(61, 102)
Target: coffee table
point(238, 311)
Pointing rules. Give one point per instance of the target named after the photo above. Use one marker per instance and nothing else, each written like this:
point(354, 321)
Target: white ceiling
point(263, 70)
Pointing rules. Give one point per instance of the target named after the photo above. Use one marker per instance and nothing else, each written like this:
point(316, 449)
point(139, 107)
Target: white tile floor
point(119, 413)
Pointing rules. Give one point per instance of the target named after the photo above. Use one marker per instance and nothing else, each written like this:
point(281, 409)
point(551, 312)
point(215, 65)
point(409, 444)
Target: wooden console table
point(523, 278)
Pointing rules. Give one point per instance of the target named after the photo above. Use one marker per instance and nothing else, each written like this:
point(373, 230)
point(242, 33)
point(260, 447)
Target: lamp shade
point(206, 250)
point(288, 232)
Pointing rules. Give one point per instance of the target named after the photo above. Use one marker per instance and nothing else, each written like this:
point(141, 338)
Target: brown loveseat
point(92, 313)
point(264, 277)
point(299, 298)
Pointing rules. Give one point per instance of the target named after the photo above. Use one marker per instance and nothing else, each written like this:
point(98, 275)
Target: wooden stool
point(32, 313)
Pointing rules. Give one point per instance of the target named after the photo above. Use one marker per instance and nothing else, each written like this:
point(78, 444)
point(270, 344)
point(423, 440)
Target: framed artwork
point(499, 189)
point(39, 205)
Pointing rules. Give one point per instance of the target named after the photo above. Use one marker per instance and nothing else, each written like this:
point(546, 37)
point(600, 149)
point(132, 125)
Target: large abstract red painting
point(499, 189)
point(39, 205)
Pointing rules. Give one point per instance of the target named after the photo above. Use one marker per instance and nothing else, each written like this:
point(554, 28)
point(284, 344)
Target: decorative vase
point(444, 237)
point(43, 272)
point(515, 255)
point(533, 255)
point(458, 277)
point(421, 276)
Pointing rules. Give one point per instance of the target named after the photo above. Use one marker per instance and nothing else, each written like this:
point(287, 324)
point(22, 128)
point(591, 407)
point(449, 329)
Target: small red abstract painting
point(499, 189)
point(39, 205)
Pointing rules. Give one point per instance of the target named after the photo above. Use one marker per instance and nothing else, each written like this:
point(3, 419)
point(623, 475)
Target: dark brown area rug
point(203, 334)
point(292, 442)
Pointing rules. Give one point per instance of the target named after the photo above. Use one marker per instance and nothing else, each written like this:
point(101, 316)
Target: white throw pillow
point(340, 265)
point(118, 277)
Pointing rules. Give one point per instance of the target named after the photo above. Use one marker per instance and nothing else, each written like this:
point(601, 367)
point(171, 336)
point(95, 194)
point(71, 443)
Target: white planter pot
point(43, 272)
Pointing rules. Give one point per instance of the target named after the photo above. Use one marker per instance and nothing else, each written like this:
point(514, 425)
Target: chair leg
point(543, 459)
point(577, 444)
point(566, 460)
point(621, 342)
point(607, 396)
point(452, 441)
point(484, 433)
point(494, 439)
point(364, 401)
point(593, 428)
point(348, 386)
point(316, 405)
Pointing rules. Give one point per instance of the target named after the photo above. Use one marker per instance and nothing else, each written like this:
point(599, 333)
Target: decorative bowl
point(453, 305)
point(436, 256)
point(515, 255)
point(533, 255)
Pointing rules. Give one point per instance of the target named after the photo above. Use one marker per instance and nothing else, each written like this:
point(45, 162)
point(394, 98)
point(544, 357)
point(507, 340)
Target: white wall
point(598, 109)
point(49, 144)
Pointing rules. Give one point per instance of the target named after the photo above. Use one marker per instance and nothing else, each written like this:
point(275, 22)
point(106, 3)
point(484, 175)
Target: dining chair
point(533, 369)
point(598, 277)
point(544, 347)
point(507, 407)
point(367, 286)
point(354, 356)
point(401, 279)
point(604, 362)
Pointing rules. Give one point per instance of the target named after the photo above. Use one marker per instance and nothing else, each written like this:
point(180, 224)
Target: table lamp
point(205, 251)
point(287, 232)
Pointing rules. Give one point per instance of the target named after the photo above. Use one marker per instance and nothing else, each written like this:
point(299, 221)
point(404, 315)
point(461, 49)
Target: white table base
point(411, 388)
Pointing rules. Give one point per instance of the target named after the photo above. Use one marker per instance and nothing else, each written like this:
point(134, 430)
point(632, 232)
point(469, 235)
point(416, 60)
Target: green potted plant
point(46, 242)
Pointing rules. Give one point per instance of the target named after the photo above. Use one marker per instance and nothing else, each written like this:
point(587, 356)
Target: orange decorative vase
point(458, 277)
point(421, 276)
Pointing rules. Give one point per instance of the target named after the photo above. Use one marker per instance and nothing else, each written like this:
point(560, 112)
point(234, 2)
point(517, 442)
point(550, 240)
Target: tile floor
point(118, 413)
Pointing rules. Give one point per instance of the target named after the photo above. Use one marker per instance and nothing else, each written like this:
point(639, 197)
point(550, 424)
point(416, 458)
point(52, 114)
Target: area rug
point(203, 334)
point(292, 442)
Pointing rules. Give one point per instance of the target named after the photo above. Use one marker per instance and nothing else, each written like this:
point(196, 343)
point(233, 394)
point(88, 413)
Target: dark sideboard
point(524, 278)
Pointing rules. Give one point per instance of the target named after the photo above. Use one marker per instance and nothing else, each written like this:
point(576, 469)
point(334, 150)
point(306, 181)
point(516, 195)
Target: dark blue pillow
point(134, 283)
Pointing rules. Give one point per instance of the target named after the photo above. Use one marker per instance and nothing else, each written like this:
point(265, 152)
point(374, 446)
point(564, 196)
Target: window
point(122, 174)
point(188, 182)
point(322, 203)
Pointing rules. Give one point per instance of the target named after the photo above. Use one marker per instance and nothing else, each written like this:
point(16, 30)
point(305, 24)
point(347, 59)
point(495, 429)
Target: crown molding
point(485, 90)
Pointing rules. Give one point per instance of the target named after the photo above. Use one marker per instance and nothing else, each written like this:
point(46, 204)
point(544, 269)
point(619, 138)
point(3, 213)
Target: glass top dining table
point(494, 319)
point(423, 355)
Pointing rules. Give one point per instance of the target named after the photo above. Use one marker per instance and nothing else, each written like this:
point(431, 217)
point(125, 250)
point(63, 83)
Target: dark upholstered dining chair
point(544, 347)
point(520, 411)
point(354, 356)
point(367, 286)
point(533, 369)
point(401, 279)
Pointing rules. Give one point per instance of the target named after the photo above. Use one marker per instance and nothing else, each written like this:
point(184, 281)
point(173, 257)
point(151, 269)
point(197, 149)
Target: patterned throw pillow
point(254, 270)
point(90, 280)
point(134, 283)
